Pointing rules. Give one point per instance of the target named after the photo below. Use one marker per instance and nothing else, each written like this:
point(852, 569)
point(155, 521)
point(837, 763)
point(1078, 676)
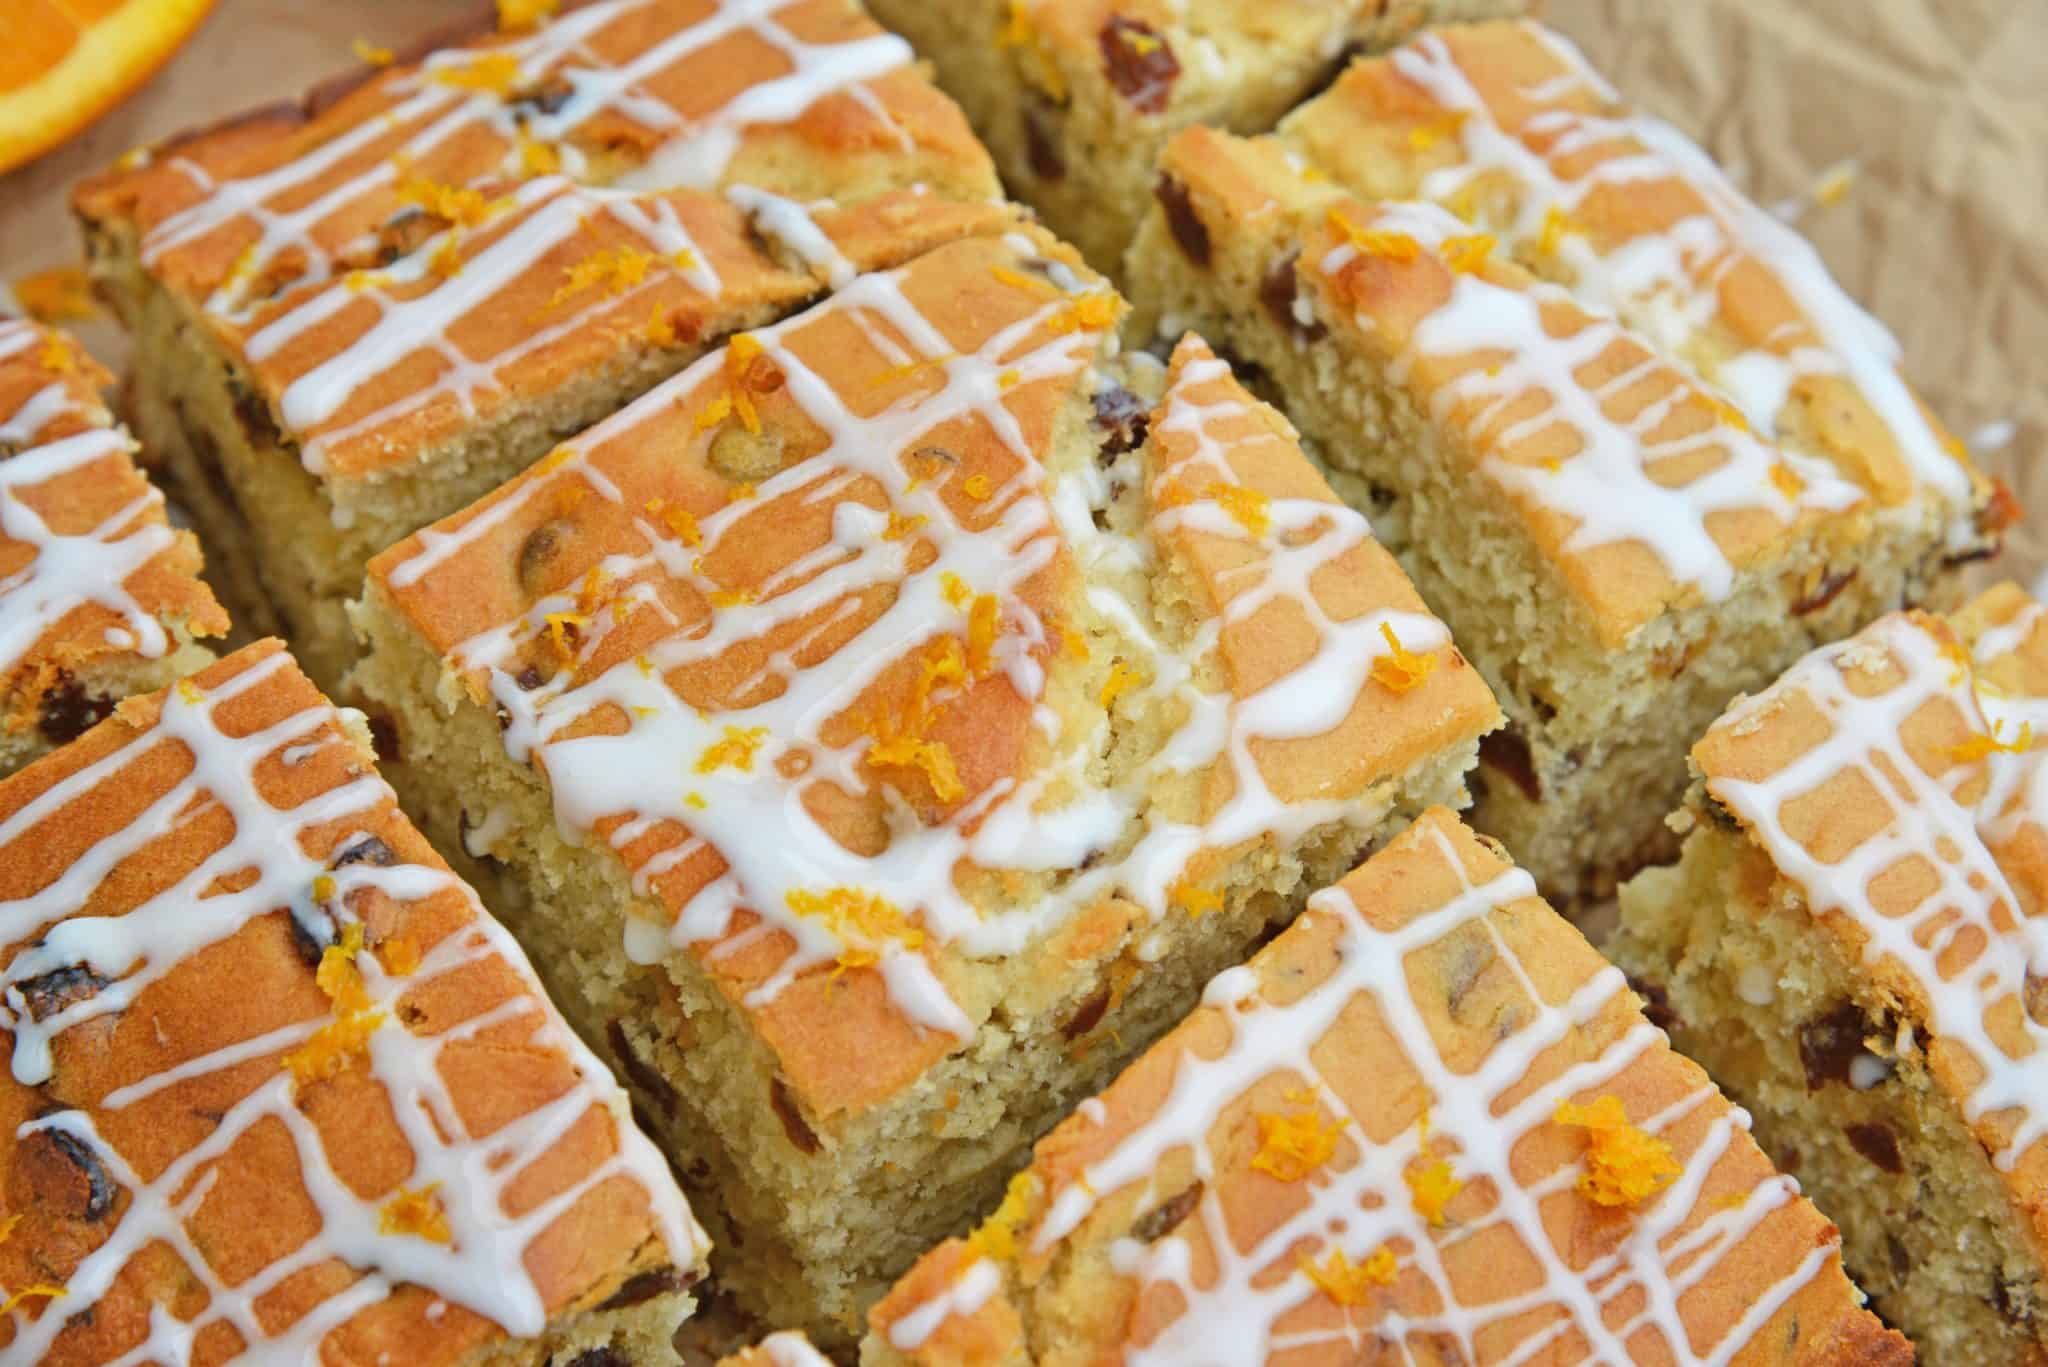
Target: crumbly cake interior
point(99, 595)
point(1841, 1095)
point(1847, 943)
point(823, 1204)
point(279, 1086)
point(1076, 101)
point(1592, 727)
point(1371, 1135)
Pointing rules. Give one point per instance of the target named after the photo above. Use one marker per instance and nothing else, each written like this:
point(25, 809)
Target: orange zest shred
point(519, 16)
point(1623, 1163)
point(736, 749)
point(1293, 1146)
point(1246, 505)
point(679, 521)
point(1431, 1184)
point(48, 1289)
point(492, 73)
point(954, 590)
point(537, 158)
point(978, 487)
point(997, 1237)
point(371, 54)
point(984, 620)
point(1982, 746)
point(617, 269)
point(332, 1047)
point(399, 955)
point(56, 357)
point(901, 526)
point(62, 294)
point(902, 741)
point(740, 354)
point(416, 1211)
point(1556, 223)
point(1349, 1283)
point(1041, 70)
point(451, 203)
point(731, 598)
point(863, 921)
point(561, 629)
point(1192, 898)
point(1122, 678)
point(660, 329)
point(1018, 280)
point(1389, 246)
point(337, 975)
point(1093, 312)
point(1400, 670)
point(1739, 420)
point(1466, 254)
point(1786, 480)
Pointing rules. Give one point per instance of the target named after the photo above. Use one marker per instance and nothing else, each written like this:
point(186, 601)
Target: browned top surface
point(1639, 485)
point(90, 574)
point(1896, 781)
point(1416, 1033)
point(414, 241)
point(391, 1146)
point(1507, 125)
point(842, 691)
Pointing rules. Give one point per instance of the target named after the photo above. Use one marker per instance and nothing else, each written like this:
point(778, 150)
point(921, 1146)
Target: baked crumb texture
point(1426, 1124)
point(883, 729)
point(1850, 944)
point(358, 313)
point(1628, 437)
point(279, 1089)
point(1076, 99)
point(99, 596)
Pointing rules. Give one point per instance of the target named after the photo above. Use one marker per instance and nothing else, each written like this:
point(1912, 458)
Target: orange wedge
point(63, 63)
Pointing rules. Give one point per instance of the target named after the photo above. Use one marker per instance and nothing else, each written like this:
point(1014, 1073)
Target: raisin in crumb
point(1139, 63)
point(1188, 229)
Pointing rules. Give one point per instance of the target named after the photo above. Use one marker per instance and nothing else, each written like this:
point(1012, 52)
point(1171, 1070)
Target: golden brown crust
point(170, 1078)
point(1505, 123)
point(476, 226)
point(1525, 386)
point(664, 496)
point(1808, 768)
point(1384, 732)
point(92, 578)
point(1443, 1027)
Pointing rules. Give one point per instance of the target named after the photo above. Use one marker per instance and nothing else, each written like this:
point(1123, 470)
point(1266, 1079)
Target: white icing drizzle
point(70, 569)
point(789, 1348)
point(1056, 820)
point(1667, 285)
point(430, 110)
point(1232, 1302)
point(1609, 486)
point(1945, 837)
point(482, 1266)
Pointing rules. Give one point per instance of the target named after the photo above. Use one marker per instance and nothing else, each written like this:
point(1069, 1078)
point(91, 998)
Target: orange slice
point(63, 63)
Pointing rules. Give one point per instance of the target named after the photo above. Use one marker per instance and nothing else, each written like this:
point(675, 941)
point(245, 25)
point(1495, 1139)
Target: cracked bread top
point(1506, 125)
point(1895, 781)
point(1641, 487)
point(1428, 1118)
point(278, 1086)
point(479, 221)
point(91, 574)
point(907, 658)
